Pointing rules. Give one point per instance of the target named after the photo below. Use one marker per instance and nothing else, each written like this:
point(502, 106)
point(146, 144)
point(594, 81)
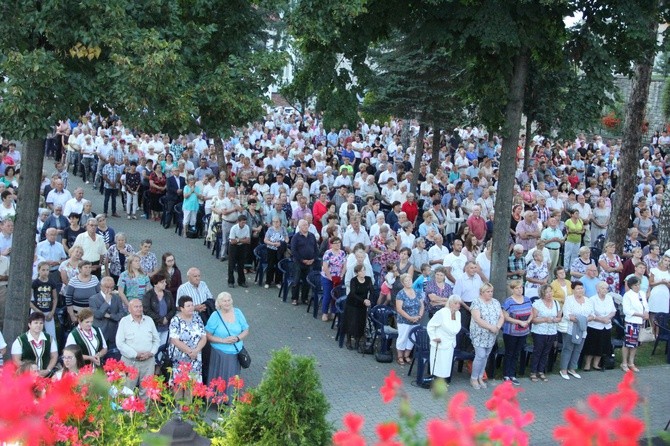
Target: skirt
point(632, 335)
point(597, 342)
point(224, 365)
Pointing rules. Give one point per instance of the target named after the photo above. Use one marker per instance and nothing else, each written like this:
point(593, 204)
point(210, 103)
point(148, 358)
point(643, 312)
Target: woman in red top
point(411, 208)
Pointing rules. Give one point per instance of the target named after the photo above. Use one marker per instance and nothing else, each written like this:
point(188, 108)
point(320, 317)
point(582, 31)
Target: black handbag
point(243, 355)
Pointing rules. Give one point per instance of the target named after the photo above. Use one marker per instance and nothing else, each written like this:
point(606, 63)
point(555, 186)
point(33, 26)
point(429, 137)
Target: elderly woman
point(631, 243)
point(274, 237)
point(148, 259)
point(600, 220)
point(487, 320)
point(578, 265)
point(427, 223)
point(561, 287)
point(437, 291)
point(409, 307)
point(117, 255)
point(159, 305)
point(226, 329)
point(90, 339)
point(537, 274)
point(517, 312)
point(546, 314)
point(636, 311)
point(610, 267)
point(598, 340)
point(190, 205)
point(443, 328)
point(187, 336)
point(357, 303)
point(578, 311)
point(629, 266)
point(405, 237)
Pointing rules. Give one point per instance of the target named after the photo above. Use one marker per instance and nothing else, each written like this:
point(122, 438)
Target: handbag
point(243, 356)
point(646, 335)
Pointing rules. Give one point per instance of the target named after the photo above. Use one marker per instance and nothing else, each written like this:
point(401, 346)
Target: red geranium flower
point(391, 385)
point(133, 404)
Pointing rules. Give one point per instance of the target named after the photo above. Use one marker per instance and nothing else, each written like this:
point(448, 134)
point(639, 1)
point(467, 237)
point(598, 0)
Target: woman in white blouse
point(598, 339)
point(442, 329)
point(636, 311)
point(577, 309)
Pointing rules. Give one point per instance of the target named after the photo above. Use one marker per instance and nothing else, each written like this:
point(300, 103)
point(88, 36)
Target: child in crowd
point(420, 283)
point(389, 279)
point(45, 298)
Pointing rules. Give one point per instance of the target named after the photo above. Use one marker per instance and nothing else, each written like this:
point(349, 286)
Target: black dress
point(355, 311)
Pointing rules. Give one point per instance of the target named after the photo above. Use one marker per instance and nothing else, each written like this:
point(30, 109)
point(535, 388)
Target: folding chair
point(179, 216)
point(286, 268)
point(335, 294)
point(261, 255)
point(460, 355)
point(380, 316)
point(339, 317)
point(420, 353)
point(314, 280)
point(662, 321)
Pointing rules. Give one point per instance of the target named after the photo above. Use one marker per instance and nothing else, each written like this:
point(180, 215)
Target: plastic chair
point(166, 215)
point(216, 244)
point(335, 294)
point(202, 230)
point(179, 216)
point(286, 268)
point(420, 353)
point(339, 316)
point(314, 280)
point(662, 321)
point(460, 355)
point(380, 316)
point(261, 255)
point(619, 331)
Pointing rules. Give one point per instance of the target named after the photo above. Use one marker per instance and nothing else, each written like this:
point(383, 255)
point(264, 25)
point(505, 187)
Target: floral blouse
point(114, 257)
point(411, 306)
point(490, 312)
point(148, 263)
point(536, 271)
point(335, 263)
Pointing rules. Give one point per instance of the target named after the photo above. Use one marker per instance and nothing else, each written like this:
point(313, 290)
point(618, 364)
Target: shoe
point(564, 376)
point(624, 367)
point(266, 286)
point(231, 285)
point(324, 317)
point(129, 217)
point(244, 285)
point(88, 182)
point(294, 303)
point(475, 384)
point(575, 374)
point(115, 215)
point(483, 385)
point(533, 377)
point(542, 377)
point(278, 286)
point(633, 368)
point(134, 217)
point(515, 381)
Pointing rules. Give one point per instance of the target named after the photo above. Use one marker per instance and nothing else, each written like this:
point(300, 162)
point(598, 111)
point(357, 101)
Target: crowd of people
point(341, 202)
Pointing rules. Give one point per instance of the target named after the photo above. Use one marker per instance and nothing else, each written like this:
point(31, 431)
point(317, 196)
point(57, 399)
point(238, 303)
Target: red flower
point(386, 433)
point(218, 385)
point(236, 382)
point(118, 371)
point(391, 385)
point(153, 387)
point(246, 398)
point(133, 404)
point(351, 436)
point(200, 390)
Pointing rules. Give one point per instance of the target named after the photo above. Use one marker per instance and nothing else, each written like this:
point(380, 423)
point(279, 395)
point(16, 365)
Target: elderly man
point(354, 235)
point(553, 238)
point(75, 204)
point(58, 196)
point(240, 243)
point(94, 247)
point(6, 237)
point(467, 287)
point(53, 253)
point(230, 211)
point(107, 310)
point(305, 251)
point(137, 339)
point(477, 224)
point(197, 289)
point(111, 176)
point(527, 232)
point(516, 264)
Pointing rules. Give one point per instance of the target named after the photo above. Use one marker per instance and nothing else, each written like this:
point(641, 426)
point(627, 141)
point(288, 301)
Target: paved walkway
point(351, 381)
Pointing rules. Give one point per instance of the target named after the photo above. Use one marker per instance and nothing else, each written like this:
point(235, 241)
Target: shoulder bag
point(242, 355)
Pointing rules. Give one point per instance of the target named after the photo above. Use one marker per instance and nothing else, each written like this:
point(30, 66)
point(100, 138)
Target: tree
point(166, 65)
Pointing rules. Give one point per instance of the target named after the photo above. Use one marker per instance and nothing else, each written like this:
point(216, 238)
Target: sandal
point(624, 367)
point(400, 361)
point(294, 302)
point(534, 377)
point(542, 377)
point(633, 368)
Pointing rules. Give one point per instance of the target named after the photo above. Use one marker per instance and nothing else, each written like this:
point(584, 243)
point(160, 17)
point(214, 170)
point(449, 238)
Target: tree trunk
point(664, 223)
point(435, 158)
point(526, 146)
point(405, 133)
point(417, 160)
point(630, 149)
point(23, 245)
point(503, 205)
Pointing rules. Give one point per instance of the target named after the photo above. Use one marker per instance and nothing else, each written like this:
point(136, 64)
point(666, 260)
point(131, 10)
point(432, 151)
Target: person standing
point(187, 336)
point(230, 211)
point(636, 311)
point(36, 345)
point(111, 175)
point(553, 238)
point(94, 247)
point(487, 320)
point(45, 297)
point(305, 251)
point(517, 312)
point(226, 330)
point(133, 182)
point(107, 310)
point(355, 310)
point(578, 311)
point(546, 314)
point(573, 241)
point(240, 241)
point(443, 329)
point(138, 341)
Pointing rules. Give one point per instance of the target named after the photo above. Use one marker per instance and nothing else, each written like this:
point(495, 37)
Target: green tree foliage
point(167, 65)
point(288, 407)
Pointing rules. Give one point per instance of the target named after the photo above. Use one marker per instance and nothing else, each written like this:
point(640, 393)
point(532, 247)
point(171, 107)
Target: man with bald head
point(305, 251)
point(74, 204)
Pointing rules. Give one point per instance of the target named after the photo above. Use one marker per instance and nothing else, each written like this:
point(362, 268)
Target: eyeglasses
point(68, 358)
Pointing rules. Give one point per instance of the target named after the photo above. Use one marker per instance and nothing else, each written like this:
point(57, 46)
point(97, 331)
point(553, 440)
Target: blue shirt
point(216, 327)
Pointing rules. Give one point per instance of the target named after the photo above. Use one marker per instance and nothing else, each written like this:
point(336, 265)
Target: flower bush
point(607, 420)
point(94, 408)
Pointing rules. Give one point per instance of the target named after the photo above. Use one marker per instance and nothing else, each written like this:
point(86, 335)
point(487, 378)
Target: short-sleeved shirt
point(490, 312)
point(411, 306)
point(521, 311)
point(43, 294)
point(217, 327)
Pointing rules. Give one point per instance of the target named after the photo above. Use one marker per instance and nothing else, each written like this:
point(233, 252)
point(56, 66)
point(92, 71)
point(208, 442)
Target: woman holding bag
point(226, 329)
